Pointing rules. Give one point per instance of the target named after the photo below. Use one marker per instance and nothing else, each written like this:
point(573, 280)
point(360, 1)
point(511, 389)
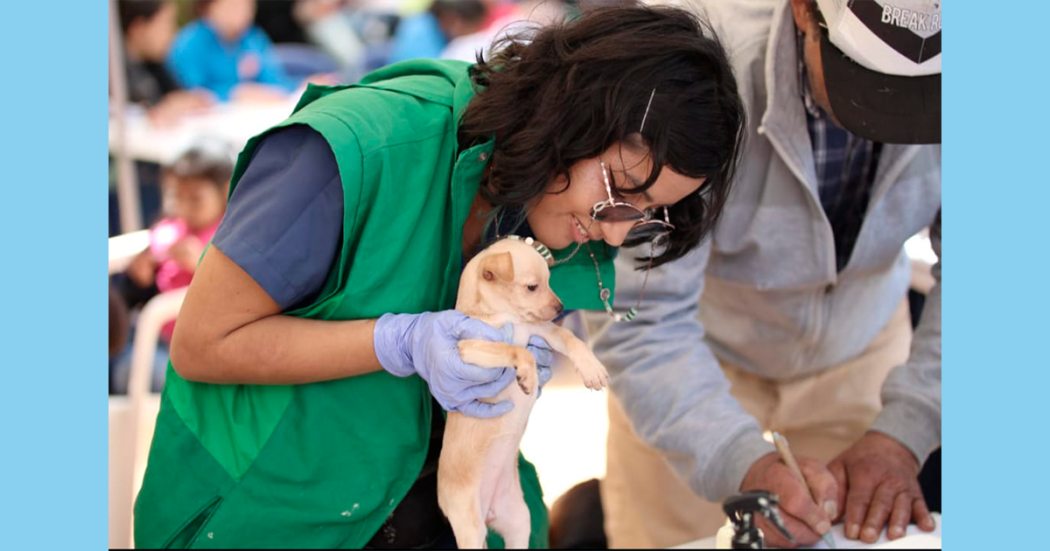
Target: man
point(793, 317)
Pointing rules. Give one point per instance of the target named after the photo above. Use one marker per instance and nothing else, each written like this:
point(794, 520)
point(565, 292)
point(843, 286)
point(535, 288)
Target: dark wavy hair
point(569, 91)
point(130, 10)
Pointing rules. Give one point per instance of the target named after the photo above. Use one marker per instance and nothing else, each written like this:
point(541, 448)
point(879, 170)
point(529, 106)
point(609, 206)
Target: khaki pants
point(647, 505)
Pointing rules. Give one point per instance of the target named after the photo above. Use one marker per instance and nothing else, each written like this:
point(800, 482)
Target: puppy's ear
point(498, 266)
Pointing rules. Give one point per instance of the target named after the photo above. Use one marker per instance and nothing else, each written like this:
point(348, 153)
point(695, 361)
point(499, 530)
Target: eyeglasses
point(646, 224)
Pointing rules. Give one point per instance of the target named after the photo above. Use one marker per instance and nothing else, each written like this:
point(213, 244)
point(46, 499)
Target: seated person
point(195, 186)
point(148, 27)
point(224, 52)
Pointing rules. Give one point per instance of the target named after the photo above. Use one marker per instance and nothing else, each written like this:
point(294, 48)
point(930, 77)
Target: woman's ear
point(498, 267)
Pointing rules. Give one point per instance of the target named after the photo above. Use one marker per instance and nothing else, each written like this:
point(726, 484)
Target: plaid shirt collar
point(812, 108)
point(844, 165)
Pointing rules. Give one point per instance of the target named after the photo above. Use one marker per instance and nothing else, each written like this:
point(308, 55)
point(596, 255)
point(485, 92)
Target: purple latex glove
point(541, 351)
point(426, 344)
point(544, 359)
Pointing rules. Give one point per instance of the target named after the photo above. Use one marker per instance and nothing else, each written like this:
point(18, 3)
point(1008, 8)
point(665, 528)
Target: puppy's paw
point(470, 352)
point(528, 376)
point(593, 373)
point(528, 381)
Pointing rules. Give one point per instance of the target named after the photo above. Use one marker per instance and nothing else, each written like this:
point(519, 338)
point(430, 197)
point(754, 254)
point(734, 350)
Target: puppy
point(478, 484)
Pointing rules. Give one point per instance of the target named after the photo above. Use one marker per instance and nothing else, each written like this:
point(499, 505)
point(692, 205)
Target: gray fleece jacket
point(763, 292)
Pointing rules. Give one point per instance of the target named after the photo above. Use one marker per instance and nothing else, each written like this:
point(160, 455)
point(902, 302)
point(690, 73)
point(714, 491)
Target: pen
point(784, 450)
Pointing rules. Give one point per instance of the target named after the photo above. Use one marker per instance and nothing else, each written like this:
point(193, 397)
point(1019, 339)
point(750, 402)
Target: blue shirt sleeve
point(284, 221)
point(184, 58)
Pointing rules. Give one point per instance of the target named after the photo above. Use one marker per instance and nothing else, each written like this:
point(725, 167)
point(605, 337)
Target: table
point(913, 539)
point(235, 123)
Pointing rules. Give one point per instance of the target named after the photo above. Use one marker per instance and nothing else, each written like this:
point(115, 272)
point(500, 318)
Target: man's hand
point(803, 518)
point(881, 477)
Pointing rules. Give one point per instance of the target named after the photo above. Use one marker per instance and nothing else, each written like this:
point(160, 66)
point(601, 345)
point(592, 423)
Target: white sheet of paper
point(914, 538)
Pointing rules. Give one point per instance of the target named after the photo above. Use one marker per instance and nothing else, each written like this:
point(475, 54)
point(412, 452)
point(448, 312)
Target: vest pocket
point(186, 536)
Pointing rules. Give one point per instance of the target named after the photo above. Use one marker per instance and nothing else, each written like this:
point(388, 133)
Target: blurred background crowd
point(191, 81)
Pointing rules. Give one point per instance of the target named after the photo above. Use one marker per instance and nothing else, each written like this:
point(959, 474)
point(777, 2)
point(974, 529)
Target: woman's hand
point(232, 332)
point(540, 350)
point(427, 344)
point(544, 360)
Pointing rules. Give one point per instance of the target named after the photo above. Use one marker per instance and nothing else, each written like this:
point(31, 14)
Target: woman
point(290, 416)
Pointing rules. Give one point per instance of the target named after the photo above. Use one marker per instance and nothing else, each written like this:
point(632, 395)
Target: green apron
point(324, 464)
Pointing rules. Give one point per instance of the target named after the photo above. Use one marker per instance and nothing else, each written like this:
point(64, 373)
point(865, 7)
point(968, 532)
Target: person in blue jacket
point(224, 52)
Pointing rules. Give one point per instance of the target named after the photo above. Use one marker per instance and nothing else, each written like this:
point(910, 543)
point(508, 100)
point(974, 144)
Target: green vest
point(324, 464)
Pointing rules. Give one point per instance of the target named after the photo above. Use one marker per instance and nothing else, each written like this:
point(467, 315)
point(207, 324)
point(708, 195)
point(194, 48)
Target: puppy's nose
point(559, 308)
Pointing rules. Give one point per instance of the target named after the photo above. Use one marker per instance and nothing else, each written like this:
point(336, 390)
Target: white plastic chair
point(132, 417)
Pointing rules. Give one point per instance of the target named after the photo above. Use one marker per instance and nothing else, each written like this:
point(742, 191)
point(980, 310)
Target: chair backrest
point(132, 417)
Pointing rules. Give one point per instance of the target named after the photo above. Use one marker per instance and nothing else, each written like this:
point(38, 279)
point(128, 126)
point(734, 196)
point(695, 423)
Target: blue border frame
point(53, 396)
point(55, 219)
point(995, 273)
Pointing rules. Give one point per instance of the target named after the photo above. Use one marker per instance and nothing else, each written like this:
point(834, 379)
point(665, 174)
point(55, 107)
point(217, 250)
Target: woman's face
point(561, 219)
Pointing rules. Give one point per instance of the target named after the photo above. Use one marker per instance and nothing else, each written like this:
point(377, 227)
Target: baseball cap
point(882, 67)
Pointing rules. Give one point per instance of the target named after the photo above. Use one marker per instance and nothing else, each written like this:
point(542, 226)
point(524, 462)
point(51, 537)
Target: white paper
point(914, 538)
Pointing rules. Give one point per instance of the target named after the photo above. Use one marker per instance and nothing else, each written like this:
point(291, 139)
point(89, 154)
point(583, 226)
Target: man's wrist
point(756, 467)
point(735, 462)
point(911, 426)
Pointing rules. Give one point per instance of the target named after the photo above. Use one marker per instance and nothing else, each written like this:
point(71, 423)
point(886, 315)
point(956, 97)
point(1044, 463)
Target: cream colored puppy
point(478, 484)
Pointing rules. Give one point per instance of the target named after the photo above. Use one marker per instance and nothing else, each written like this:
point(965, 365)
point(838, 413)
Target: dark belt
point(417, 522)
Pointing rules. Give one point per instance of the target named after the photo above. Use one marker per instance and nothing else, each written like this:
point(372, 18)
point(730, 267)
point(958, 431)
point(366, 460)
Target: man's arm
point(669, 382)
point(878, 475)
point(911, 395)
point(673, 390)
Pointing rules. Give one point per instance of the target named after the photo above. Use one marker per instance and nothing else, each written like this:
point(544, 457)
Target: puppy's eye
point(532, 288)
